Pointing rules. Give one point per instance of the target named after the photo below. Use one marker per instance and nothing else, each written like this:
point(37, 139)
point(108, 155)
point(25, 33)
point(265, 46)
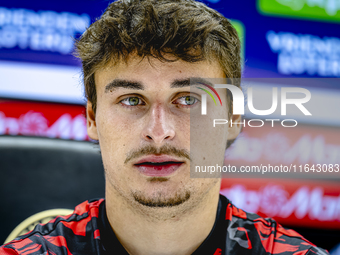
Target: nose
point(159, 126)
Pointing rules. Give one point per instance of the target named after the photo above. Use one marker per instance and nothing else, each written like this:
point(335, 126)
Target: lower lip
point(158, 170)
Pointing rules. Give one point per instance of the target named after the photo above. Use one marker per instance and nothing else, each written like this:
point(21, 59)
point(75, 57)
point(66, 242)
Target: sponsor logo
point(38, 218)
point(36, 124)
point(40, 31)
point(305, 54)
point(327, 10)
point(278, 148)
point(275, 201)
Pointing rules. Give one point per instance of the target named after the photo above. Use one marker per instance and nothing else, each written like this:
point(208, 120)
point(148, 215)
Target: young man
point(138, 60)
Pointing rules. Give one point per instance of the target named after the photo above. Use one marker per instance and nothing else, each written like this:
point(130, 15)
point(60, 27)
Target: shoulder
point(59, 235)
point(249, 231)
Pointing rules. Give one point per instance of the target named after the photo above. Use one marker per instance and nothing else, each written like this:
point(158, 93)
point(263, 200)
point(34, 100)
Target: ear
point(235, 129)
point(91, 122)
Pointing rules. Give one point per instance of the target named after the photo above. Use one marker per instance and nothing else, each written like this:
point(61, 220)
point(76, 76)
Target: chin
point(162, 197)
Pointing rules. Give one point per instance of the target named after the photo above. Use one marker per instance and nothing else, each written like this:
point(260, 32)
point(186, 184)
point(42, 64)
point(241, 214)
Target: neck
point(180, 229)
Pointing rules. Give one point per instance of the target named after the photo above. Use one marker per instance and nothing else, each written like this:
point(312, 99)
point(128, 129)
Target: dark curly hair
point(186, 29)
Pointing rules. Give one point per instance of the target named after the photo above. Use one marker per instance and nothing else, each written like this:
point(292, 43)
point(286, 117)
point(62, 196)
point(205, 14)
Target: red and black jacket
point(87, 231)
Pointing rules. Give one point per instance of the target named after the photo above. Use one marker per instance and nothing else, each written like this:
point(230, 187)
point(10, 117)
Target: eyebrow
point(178, 83)
point(118, 83)
point(189, 82)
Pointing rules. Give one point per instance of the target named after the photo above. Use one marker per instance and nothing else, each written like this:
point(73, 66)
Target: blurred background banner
point(42, 100)
point(51, 120)
point(311, 203)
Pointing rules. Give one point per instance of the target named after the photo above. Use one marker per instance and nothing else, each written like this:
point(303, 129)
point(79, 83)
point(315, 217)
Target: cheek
point(113, 124)
point(114, 134)
point(183, 129)
point(208, 143)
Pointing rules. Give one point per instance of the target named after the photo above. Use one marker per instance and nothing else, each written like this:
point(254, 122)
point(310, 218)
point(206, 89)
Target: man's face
point(146, 114)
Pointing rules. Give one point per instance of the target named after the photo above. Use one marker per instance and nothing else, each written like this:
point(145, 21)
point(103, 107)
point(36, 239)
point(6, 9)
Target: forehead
point(152, 71)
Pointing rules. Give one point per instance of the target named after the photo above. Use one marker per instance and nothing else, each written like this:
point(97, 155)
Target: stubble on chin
point(160, 200)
